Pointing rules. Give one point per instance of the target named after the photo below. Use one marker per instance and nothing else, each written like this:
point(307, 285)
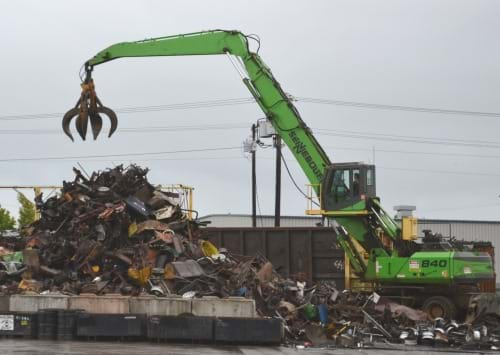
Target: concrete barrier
point(33, 303)
point(4, 303)
point(155, 306)
point(223, 307)
point(149, 305)
point(110, 304)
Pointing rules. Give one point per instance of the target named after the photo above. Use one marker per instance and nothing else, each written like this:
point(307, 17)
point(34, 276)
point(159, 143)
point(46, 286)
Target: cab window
point(356, 182)
point(341, 186)
point(369, 177)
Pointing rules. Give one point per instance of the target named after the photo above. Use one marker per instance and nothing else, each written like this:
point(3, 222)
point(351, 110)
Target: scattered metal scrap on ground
point(114, 232)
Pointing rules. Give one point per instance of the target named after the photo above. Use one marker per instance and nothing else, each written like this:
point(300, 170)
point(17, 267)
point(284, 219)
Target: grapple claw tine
point(88, 108)
point(95, 123)
point(67, 120)
point(112, 117)
point(82, 122)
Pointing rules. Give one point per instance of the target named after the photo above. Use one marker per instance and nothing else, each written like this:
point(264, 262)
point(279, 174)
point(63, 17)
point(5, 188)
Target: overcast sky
point(438, 54)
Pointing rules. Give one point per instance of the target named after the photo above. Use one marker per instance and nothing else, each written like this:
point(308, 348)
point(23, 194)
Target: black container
point(131, 326)
point(47, 323)
point(66, 324)
point(18, 324)
point(248, 330)
point(182, 328)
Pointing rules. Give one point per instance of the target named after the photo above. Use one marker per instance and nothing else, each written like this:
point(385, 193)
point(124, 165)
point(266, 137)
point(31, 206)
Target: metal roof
point(308, 218)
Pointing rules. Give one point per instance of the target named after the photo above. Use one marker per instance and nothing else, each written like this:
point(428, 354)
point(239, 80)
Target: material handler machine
point(436, 275)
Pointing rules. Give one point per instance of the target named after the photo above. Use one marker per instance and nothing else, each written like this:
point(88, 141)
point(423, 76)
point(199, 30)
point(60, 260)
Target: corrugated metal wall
point(311, 251)
point(242, 220)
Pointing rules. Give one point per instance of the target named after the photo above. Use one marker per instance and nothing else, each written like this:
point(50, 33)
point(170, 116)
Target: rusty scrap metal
point(113, 232)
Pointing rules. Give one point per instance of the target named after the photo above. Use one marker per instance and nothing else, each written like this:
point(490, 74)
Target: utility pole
point(254, 180)
point(277, 196)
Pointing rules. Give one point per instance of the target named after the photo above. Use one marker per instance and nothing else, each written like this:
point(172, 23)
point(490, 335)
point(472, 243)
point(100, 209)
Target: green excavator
point(432, 273)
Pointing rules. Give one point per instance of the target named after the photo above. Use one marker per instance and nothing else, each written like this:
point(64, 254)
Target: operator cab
point(347, 184)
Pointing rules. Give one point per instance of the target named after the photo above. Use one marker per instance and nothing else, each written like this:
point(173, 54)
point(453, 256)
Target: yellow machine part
point(208, 248)
point(352, 281)
point(140, 276)
point(409, 228)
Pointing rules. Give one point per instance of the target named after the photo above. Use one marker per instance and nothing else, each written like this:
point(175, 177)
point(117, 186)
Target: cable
point(385, 135)
point(238, 70)
point(258, 206)
point(144, 129)
point(81, 72)
point(153, 129)
point(256, 38)
point(240, 101)
point(222, 126)
point(319, 131)
point(293, 181)
point(440, 171)
point(119, 155)
point(140, 109)
point(461, 208)
point(414, 140)
point(187, 105)
point(416, 152)
point(233, 148)
point(397, 107)
point(174, 159)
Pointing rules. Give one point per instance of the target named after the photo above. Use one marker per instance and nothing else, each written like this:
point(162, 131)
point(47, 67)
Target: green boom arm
point(277, 107)
point(266, 90)
point(361, 222)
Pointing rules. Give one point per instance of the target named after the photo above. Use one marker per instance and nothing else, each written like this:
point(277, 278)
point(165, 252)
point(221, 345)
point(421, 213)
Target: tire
point(440, 307)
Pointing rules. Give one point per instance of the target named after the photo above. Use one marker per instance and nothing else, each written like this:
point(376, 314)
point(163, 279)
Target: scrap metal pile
point(327, 317)
point(114, 232)
point(320, 315)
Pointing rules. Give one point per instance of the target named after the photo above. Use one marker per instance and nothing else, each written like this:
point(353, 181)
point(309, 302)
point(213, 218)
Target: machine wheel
point(439, 307)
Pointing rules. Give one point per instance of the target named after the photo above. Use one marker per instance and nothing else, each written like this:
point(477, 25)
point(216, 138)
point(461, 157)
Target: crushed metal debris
point(114, 232)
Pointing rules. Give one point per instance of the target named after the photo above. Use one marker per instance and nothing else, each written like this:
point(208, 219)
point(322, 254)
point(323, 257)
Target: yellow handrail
point(313, 201)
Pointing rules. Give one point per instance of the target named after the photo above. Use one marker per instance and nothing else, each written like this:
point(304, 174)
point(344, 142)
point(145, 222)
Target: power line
point(397, 107)
point(416, 152)
point(319, 131)
point(258, 205)
point(118, 155)
point(140, 109)
point(174, 159)
point(149, 129)
point(460, 208)
point(249, 100)
point(430, 171)
point(144, 129)
point(231, 148)
point(226, 127)
point(291, 176)
point(220, 126)
point(409, 139)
